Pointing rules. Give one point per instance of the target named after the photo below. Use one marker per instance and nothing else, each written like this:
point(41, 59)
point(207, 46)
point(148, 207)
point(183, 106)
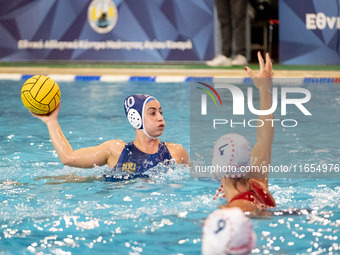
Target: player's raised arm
point(85, 157)
point(261, 154)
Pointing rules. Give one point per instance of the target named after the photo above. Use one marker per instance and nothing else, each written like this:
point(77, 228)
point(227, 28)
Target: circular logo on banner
point(102, 15)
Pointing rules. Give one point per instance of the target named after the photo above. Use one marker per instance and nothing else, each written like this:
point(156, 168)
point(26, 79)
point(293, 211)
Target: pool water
point(43, 213)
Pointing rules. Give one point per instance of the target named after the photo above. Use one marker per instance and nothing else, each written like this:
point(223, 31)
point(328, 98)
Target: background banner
point(309, 32)
point(106, 30)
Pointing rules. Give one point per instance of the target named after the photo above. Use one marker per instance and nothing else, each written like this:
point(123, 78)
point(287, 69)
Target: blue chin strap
point(134, 106)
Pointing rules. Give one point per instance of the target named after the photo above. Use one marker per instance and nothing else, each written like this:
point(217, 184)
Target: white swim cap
point(227, 231)
point(231, 153)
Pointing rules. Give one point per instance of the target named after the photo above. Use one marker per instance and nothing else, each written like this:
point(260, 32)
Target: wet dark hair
point(243, 181)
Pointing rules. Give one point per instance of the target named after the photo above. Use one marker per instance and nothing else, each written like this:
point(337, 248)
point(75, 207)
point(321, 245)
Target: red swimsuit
point(256, 195)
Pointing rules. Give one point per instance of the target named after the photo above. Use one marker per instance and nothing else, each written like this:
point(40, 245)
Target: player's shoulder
point(115, 145)
point(174, 146)
point(178, 152)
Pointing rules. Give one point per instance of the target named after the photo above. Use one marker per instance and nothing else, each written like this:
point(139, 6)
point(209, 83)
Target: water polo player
point(228, 231)
point(248, 190)
point(146, 151)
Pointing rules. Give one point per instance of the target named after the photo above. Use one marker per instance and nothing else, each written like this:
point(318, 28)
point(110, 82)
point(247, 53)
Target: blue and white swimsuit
point(133, 162)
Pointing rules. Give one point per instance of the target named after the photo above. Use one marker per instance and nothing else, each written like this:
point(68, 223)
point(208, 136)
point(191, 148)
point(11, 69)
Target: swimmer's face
point(153, 118)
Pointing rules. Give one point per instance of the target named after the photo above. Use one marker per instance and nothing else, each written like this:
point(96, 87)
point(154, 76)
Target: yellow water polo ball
point(40, 94)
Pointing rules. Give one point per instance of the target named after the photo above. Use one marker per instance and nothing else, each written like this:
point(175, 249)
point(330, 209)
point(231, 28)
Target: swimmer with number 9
point(248, 191)
point(145, 114)
point(228, 231)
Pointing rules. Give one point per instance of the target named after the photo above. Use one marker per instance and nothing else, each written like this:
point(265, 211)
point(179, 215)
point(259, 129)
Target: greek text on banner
point(105, 45)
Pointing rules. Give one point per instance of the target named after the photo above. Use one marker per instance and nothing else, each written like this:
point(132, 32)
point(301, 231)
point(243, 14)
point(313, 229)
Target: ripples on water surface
point(147, 216)
point(162, 214)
